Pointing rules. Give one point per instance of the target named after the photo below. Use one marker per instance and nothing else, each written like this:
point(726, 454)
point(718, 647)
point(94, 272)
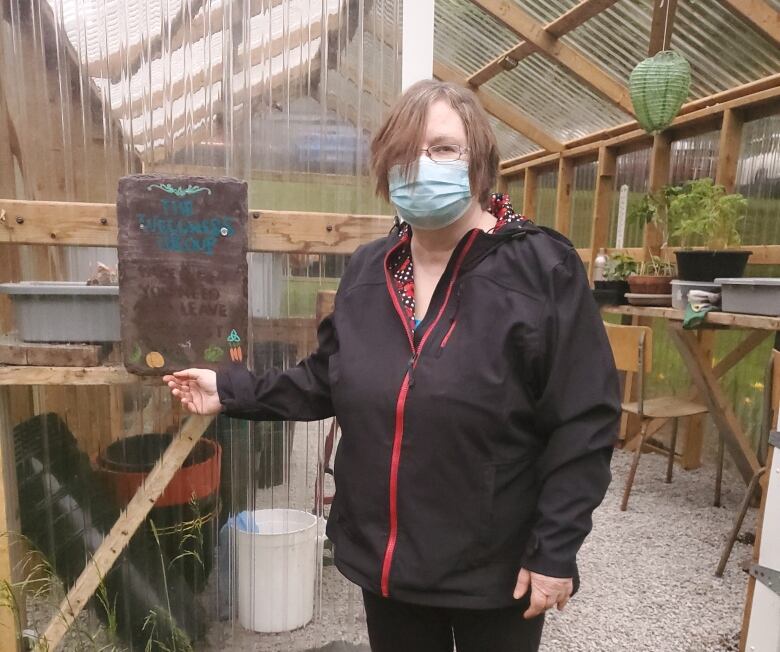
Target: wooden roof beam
point(557, 28)
point(661, 25)
point(760, 15)
point(526, 27)
point(502, 110)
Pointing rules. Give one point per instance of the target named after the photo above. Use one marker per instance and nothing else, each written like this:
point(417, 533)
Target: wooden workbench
point(705, 376)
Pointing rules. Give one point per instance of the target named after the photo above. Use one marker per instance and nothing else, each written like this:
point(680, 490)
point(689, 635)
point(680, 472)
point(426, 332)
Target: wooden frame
point(763, 93)
point(589, 73)
point(83, 225)
point(564, 24)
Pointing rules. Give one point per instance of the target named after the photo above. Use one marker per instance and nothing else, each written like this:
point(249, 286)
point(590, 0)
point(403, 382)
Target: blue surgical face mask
point(439, 196)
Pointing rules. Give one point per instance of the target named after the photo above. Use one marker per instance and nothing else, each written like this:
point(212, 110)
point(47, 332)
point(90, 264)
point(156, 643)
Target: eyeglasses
point(445, 153)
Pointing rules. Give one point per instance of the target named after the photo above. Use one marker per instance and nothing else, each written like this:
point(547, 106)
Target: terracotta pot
point(125, 464)
point(646, 284)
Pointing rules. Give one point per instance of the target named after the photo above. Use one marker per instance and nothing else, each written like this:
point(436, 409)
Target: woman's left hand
point(546, 592)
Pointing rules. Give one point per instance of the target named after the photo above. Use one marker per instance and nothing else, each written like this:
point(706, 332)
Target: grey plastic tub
point(64, 311)
point(680, 291)
point(752, 296)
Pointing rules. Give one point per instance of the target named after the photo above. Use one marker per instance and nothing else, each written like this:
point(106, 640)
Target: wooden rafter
point(557, 28)
point(502, 110)
point(761, 16)
point(661, 25)
point(530, 29)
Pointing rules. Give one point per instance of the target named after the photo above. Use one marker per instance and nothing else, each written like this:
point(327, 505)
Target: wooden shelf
point(733, 319)
point(105, 375)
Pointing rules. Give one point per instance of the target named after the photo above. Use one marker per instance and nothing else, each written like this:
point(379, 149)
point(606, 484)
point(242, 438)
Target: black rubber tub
point(66, 514)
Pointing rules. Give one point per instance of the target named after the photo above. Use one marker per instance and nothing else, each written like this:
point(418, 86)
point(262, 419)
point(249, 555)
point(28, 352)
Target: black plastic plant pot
point(706, 265)
point(65, 513)
point(610, 293)
point(183, 521)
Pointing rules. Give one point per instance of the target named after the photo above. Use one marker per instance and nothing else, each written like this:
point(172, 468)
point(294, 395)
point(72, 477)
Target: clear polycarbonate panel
point(511, 143)
point(724, 51)
point(694, 158)
point(546, 185)
point(582, 198)
point(758, 179)
point(285, 95)
point(632, 171)
point(563, 105)
point(515, 187)
point(486, 40)
point(546, 11)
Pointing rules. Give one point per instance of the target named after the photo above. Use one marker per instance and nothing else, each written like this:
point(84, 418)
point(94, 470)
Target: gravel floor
point(647, 574)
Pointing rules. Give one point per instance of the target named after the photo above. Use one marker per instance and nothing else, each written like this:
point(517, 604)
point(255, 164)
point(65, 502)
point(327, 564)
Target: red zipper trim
point(449, 332)
point(398, 434)
point(394, 463)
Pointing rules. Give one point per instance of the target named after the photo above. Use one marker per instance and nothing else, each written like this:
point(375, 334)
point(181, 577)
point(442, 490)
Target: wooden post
point(602, 205)
point(694, 434)
point(659, 177)
point(728, 157)
point(10, 636)
point(563, 196)
point(729, 149)
point(529, 193)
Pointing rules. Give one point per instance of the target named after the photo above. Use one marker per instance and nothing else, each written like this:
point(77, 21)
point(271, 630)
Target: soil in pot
point(706, 265)
point(646, 284)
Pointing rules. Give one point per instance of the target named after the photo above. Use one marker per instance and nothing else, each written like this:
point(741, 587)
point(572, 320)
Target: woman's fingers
point(538, 604)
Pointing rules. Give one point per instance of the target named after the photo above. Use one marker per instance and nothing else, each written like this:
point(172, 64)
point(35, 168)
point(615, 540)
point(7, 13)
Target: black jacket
point(484, 451)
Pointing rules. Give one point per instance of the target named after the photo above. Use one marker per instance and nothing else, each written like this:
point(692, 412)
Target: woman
point(470, 372)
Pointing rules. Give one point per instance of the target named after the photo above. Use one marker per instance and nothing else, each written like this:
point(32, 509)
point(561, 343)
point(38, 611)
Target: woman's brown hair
point(400, 138)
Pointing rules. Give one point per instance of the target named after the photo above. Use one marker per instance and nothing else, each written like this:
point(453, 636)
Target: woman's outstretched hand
point(196, 389)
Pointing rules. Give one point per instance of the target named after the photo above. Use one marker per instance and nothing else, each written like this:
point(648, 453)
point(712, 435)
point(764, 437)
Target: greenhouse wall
point(283, 95)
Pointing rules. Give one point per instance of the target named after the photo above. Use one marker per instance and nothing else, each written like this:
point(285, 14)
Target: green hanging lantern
point(659, 86)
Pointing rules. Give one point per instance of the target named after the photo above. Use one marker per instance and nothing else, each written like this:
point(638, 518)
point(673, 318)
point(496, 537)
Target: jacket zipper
point(406, 384)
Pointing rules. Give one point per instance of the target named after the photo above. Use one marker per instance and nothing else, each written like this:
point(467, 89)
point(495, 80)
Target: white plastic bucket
point(277, 566)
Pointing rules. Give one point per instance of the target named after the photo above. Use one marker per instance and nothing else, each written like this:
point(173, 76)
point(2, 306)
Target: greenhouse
point(377, 325)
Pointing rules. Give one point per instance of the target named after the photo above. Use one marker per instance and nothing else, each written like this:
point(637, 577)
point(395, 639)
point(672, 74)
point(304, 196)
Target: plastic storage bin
point(277, 568)
point(65, 311)
point(680, 291)
point(752, 296)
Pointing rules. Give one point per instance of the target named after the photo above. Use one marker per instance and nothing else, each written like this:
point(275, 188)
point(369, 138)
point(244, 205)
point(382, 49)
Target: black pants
point(401, 627)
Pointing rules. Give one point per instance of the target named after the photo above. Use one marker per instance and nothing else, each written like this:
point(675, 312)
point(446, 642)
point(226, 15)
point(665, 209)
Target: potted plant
point(701, 212)
point(612, 290)
point(654, 276)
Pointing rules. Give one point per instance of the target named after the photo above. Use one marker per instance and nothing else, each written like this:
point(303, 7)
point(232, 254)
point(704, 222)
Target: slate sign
point(182, 272)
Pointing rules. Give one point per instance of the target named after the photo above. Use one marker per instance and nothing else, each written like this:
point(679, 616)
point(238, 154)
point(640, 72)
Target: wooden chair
point(632, 347)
